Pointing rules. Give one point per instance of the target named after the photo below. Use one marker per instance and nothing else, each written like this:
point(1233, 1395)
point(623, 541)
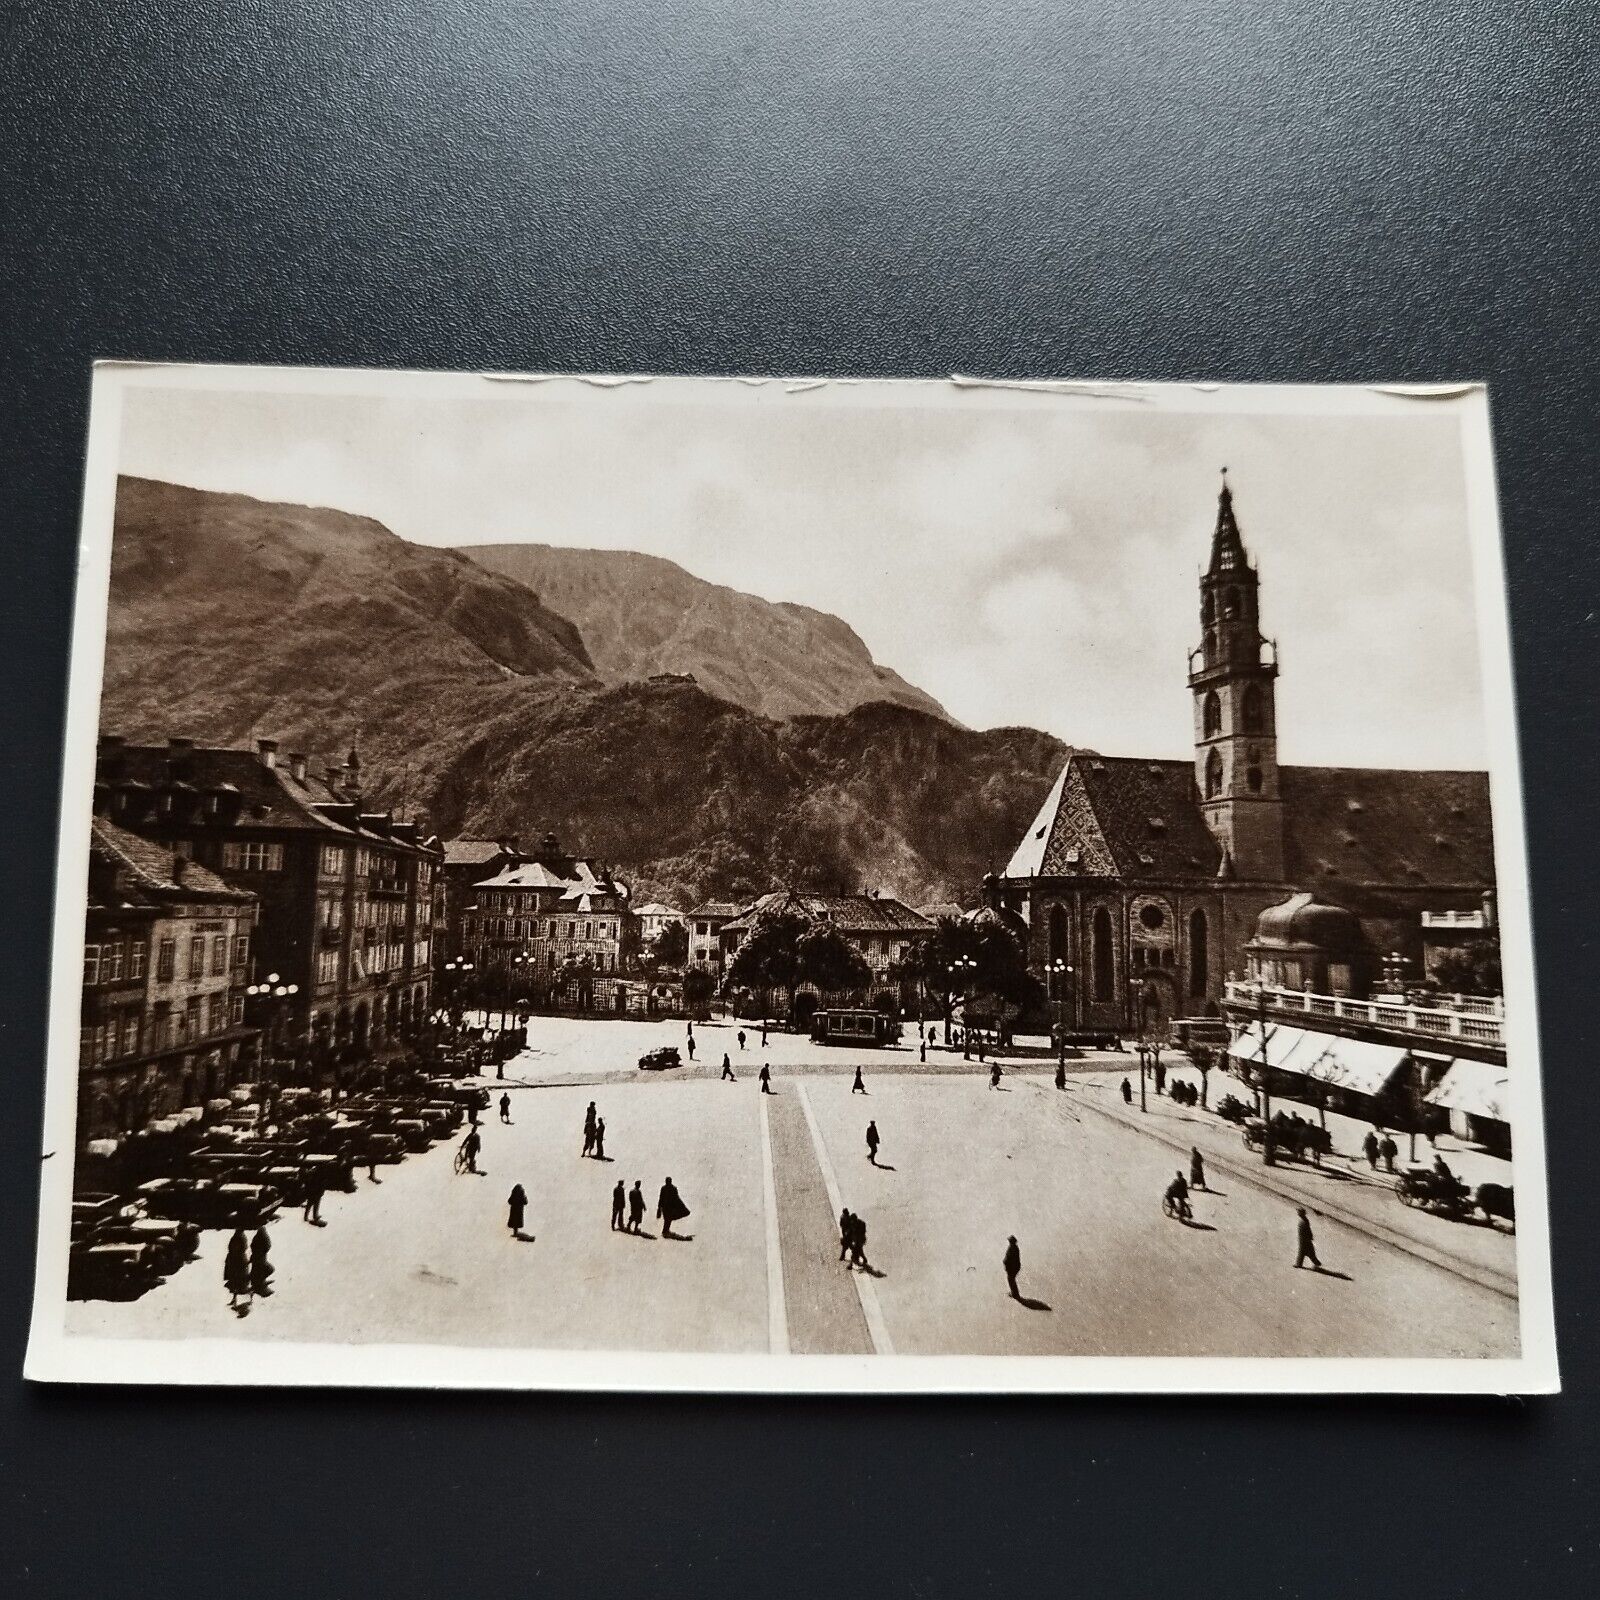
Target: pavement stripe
point(777, 1312)
point(865, 1289)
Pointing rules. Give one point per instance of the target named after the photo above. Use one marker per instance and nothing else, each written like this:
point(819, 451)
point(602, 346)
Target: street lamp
point(1266, 1081)
point(274, 994)
point(456, 969)
point(1135, 994)
point(1059, 970)
point(966, 966)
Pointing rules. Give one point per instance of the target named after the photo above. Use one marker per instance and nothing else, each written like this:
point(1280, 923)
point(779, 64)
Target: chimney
point(180, 865)
point(297, 766)
point(267, 749)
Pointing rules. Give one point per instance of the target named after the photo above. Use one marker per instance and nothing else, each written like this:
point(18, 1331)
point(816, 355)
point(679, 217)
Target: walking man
point(741, 1038)
point(1197, 1169)
point(1061, 1074)
point(872, 1143)
point(858, 1242)
point(1127, 1093)
point(847, 1232)
point(994, 1070)
point(599, 1138)
point(636, 1207)
point(505, 1108)
point(1388, 1149)
point(922, 1046)
point(691, 1044)
point(516, 1210)
point(589, 1117)
point(670, 1208)
point(1308, 1245)
point(1013, 1265)
point(1369, 1148)
point(858, 1087)
point(619, 1202)
point(727, 1067)
point(766, 1079)
point(763, 1033)
point(311, 1210)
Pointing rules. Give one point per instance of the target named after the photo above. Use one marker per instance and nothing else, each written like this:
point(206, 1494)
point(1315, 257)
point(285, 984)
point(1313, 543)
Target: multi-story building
point(346, 894)
point(548, 921)
point(165, 960)
point(706, 923)
point(654, 919)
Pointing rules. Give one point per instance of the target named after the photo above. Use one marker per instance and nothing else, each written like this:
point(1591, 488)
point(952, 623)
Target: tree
point(1204, 1059)
point(830, 961)
point(769, 957)
point(1470, 969)
point(698, 987)
point(669, 950)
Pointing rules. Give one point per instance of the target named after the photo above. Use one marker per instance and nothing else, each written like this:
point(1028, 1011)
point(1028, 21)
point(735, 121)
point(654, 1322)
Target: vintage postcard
point(790, 884)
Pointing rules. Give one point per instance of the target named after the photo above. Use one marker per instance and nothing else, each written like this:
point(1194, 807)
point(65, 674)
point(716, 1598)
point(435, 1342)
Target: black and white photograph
point(766, 883)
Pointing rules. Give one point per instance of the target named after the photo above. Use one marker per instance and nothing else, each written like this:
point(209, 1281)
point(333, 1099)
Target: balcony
point(1477, 1019)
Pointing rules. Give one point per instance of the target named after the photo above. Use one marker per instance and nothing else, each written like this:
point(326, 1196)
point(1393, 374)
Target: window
point(1211, 715)
point(91, 965)
point(1252, 714)
point(328, 966)
point(1199, 955)
point(111, 963)
point(586, 930)
point(236, 1010)
point(194, 1017)
point(241, 951)
point(197, 956)
point(333, 861)
point(1104, 958)
point(1213, 775)
point(253, 856)
point(136, 959)
point(1152, 916)
point(219, 955)
point(130, 1032)
point(166, 960)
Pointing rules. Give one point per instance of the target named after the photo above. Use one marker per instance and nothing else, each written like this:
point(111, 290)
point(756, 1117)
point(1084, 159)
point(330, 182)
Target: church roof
point(1227, 545)
point(1358, 827)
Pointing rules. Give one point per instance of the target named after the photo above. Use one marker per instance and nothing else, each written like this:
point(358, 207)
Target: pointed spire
point(1227, 547)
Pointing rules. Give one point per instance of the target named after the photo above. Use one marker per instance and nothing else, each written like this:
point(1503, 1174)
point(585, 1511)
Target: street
point(425, 1256)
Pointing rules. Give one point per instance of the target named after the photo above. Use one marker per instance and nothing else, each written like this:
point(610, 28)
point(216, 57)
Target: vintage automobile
point(1425, 1189)
point(209, 1202)
point(660, 1060)
point(110, 1271)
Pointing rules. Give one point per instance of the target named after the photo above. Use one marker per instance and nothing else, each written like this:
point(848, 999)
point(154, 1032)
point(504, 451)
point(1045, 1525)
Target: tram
point(854, 1027)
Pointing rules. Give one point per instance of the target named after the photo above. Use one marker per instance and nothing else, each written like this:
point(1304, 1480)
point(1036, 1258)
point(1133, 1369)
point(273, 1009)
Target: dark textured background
point(1295, 189)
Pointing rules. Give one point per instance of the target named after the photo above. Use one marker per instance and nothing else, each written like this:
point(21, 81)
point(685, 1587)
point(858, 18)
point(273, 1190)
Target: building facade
point(706, 923)
point(1140, 882)
point(345, 893)
point(165, 962)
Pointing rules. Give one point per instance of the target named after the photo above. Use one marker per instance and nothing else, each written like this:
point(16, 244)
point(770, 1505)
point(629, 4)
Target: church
point(1139, 886)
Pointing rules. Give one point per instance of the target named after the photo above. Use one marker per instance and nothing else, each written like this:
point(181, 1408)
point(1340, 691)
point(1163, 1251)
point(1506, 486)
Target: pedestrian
point(847, 1232)
point(636, 1207)
point(741, 1038)
point(372, 1169)
point(858, 1242)
point(1127, 1093)
point(236, 1271)
point(1178, 1195)
point(691, 1046)
point(1308, 1245)
point(982, 1042)
point(922, 1046)
point(1388, 1150)
point(1197, 1169)
point(763, 1033)
point(1161, 1076)
point(1369, 1148)
point(727, 1068)
point(994, 1070)
point(872, 1143)
point(470, 1146)
point(599, 1138)
point(311, 1205)
point(670, 1208)
point(619, 1204)
point(260, 1263)
point(1013, 1265)
point(858, 1087)
point(766, 1079)
point(588, 1128)
point(1061, 1074)
point(505, 1108)
point(516, 1210)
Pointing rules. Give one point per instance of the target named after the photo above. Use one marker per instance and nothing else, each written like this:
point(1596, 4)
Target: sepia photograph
point(763, 883)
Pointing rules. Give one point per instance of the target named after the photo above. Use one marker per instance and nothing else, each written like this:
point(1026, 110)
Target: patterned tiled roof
point(850, 913)
point(150, 869)
point(1364, 827)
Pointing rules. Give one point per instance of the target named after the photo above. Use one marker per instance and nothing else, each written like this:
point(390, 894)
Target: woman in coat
point(236, 1270)
point(670, 1208)
point(516, 1210)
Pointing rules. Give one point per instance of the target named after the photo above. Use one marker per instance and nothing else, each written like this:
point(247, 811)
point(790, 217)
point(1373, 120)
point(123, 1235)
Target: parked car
point(660, 1060)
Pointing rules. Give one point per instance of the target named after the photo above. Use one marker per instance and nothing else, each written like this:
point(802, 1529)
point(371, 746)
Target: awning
point(1355, 1064)
point(1479, 1088)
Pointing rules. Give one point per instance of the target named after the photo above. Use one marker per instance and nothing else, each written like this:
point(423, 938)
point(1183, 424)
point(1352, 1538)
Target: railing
point(1478, 1018)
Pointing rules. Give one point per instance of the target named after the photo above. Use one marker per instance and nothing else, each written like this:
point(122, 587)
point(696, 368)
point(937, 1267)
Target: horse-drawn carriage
point(1293, 1137)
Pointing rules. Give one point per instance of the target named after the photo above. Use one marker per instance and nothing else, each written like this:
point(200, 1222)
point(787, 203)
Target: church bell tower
point(1231, 677)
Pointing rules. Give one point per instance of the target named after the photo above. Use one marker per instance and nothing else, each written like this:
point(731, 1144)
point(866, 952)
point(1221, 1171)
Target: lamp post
point(1266, 1082)
point(1059, 971)
point(1135, 991)
point(964, 966)
point(273, 994)
point(521, 962)
point(455, 971)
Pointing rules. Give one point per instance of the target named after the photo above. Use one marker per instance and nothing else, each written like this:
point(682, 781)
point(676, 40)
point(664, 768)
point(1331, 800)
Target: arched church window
point(1104, 960)
point(1056, 934)
point(1253, 778)
point(1211, 714)
point(1213, 775)
point(1251, 711)
point(1199, 955)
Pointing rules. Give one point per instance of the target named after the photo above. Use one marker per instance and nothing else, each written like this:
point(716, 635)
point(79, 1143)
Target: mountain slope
point(232, 617)
point(641, 615)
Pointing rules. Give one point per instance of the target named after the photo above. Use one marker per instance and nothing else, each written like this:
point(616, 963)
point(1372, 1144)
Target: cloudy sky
point(1021, 559)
